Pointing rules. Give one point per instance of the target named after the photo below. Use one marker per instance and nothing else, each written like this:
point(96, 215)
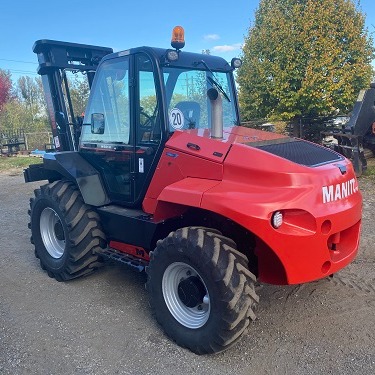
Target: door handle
point(193, 146)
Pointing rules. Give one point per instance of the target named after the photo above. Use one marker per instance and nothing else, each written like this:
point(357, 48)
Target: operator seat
point(191, 111)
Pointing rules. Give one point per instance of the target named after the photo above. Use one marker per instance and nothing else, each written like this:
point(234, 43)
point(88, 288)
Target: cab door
point(148, 134)
point(110, 148)
point(126, 147)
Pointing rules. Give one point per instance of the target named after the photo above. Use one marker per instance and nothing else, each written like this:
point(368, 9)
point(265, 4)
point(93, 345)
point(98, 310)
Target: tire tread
point(85, 236)
point(230, 274)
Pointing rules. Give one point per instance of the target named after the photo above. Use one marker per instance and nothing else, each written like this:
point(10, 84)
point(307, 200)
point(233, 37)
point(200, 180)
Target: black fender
point(72, 166)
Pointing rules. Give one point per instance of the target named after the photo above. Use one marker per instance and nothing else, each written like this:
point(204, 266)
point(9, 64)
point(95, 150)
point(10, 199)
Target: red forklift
point(159, 175)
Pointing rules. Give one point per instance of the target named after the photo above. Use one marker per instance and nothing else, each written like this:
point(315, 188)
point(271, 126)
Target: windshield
point(187, 101)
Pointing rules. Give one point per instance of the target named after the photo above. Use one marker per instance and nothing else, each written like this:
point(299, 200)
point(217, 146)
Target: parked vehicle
point(160, 176)
point(356, 138)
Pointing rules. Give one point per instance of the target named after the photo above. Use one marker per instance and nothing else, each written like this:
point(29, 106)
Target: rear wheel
point(65, 231)
point(201, 290)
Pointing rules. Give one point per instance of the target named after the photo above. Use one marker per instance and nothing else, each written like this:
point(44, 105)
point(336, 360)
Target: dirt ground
point(102, 324)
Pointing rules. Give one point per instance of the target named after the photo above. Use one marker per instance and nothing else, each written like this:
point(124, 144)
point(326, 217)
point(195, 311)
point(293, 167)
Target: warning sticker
point(56, 141)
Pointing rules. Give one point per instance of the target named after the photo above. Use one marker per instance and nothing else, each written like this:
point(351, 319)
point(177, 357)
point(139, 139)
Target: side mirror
point(97, 123)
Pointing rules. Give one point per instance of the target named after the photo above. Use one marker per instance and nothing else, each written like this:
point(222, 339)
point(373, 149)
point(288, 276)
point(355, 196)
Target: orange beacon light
point(178, 37)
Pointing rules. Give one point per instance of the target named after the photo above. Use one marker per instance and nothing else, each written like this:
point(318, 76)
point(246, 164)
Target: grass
point(370, 171)
point(17, 162)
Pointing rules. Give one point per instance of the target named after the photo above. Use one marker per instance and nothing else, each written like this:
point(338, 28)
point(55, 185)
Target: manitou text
point(332, 193)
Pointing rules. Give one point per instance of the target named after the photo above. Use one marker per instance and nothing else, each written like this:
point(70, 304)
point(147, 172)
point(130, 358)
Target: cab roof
point(185, 60)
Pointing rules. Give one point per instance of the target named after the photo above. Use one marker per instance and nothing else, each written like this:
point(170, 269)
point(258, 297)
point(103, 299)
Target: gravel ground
point(102, 324)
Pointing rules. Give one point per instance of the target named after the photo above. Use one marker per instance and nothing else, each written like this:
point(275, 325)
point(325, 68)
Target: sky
point(219, 26)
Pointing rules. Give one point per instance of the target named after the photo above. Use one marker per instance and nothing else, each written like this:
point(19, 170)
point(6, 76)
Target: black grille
point(302, 152)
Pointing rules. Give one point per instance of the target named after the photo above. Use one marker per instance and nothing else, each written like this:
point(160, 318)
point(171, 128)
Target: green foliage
point(5, 87)
point(79, 93)
point(304, 58)
point(26, 108)
point(148, 104)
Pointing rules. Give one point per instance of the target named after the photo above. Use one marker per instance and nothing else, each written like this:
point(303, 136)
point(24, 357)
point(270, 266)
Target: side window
point(148, 120)
point(110, 97)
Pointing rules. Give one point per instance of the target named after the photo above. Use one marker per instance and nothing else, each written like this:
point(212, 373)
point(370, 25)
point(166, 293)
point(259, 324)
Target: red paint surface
point(136, 251)
point(248, 185)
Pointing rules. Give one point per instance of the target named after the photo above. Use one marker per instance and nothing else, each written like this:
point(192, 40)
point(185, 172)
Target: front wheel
point(65, 231)
point(201, 290)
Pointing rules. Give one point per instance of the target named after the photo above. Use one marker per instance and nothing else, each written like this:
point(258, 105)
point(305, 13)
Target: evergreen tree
point(304, 58)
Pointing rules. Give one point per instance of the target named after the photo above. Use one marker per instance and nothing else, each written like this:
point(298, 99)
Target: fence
point(12, 142)
point(306, 128)
point(40, 141)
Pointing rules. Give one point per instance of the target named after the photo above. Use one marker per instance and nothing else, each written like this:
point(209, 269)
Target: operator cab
point(139, 98)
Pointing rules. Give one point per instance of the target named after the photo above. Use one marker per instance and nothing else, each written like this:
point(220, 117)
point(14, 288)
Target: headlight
point(236, 63)
point(277, 219)
point(172, 55)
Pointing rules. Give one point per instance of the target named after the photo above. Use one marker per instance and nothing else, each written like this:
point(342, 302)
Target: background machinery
point(356, 139)
point(160, 176)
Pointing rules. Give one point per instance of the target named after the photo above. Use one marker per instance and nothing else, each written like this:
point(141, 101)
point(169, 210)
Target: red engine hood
point(259, 160)
point(256, 146)
point(199, 142)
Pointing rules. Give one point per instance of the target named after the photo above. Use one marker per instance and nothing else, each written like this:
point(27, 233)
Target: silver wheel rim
point(190, 317)
point(52, 234)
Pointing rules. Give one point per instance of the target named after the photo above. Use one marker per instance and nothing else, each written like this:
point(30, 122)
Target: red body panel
point(301, 244)
point(136, 251)
point(321, 206)
point(179, 162)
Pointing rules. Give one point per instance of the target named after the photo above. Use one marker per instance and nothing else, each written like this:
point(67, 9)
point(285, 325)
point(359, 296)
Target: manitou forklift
point(160, 176)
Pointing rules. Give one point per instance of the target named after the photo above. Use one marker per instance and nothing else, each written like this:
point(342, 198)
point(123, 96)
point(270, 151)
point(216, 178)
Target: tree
point(5, 87)
point(79, 93)
point(31, 92)
point(30, 96)
point(304, 58)
point(14, 116)
point(25, 106)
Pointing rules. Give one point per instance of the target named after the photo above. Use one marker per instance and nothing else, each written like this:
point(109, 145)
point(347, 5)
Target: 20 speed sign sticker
point(176, 118)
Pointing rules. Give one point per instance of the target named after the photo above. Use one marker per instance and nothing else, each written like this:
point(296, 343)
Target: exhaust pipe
point(216, 113)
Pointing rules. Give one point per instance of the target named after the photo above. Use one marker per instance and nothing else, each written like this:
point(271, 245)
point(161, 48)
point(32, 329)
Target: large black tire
point(65, 231)
point(201, 290)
